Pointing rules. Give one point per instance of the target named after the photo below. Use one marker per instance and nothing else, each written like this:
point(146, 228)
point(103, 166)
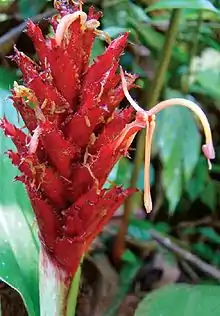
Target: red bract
point(75, 133)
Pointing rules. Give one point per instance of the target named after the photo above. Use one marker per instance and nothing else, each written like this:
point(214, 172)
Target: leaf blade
point(182, 4)
point(200, 300)
point(18, 240)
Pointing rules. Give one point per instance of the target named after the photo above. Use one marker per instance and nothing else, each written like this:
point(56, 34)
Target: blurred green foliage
point(181, 184)
point(191, 301)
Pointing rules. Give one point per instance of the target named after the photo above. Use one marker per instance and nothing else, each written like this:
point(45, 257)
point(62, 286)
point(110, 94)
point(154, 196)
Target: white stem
point(127, 94)
point(53, 287)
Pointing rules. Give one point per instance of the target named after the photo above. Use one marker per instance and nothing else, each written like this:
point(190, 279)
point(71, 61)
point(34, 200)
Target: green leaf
point(189, 231)
point(97, 49)
point(126, 16)
point(7, 77)
point(129, 257)
point(140, 180)
point(162, 227)
point(210, 234)
point(172, 177)
point(178, 141)
point(182, 4)
point(209, 195)
point(181, 300)
point(197, 183)
point(5, 3)
point(203, 250)
point(28, 8)
point(118, 15)
point(139, 229)
point(119, 19)
point(18, 241)
point(216, 168)
point(127, 275)
point(124, 172)
point(150, 37)
point(192, 14)
point(114, 31)
point(155, 40)
point(120, 173)
point(209, 81)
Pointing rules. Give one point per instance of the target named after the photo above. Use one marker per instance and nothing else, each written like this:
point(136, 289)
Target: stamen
point(39, 114)
point(34, 141)
point(92, 24)
point(24, 92)
point(104, 35)
point(150, 127)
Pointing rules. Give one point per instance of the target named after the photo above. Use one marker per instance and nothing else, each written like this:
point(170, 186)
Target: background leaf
point(98, 49)
point(209, 84)
point(199, 300)
point(30, 8)
point(197, 183)
point(209, 195)
point(178, 141)
point(18, 241)
point(182, 4)
point(127, 275)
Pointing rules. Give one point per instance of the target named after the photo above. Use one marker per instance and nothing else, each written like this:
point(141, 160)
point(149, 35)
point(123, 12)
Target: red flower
point(75, 133)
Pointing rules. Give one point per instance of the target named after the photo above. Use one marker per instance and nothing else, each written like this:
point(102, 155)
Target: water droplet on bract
point(90, 203)
point(104, 107)
point(77, 207)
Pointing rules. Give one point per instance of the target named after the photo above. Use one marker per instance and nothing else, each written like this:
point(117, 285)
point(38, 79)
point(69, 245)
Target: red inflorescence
point(75, 136)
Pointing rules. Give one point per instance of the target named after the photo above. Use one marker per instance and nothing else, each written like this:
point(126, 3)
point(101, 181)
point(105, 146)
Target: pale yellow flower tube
point(149, 118)
point(207, 148)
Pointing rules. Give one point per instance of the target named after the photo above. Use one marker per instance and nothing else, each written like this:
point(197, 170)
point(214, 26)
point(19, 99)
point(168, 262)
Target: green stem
point(73, 294)
point(193, 51)
point(164, 60)
point(155, 89)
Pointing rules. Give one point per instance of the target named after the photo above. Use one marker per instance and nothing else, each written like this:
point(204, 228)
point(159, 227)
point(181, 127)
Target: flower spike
point(149, 118)
point(75, 133)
